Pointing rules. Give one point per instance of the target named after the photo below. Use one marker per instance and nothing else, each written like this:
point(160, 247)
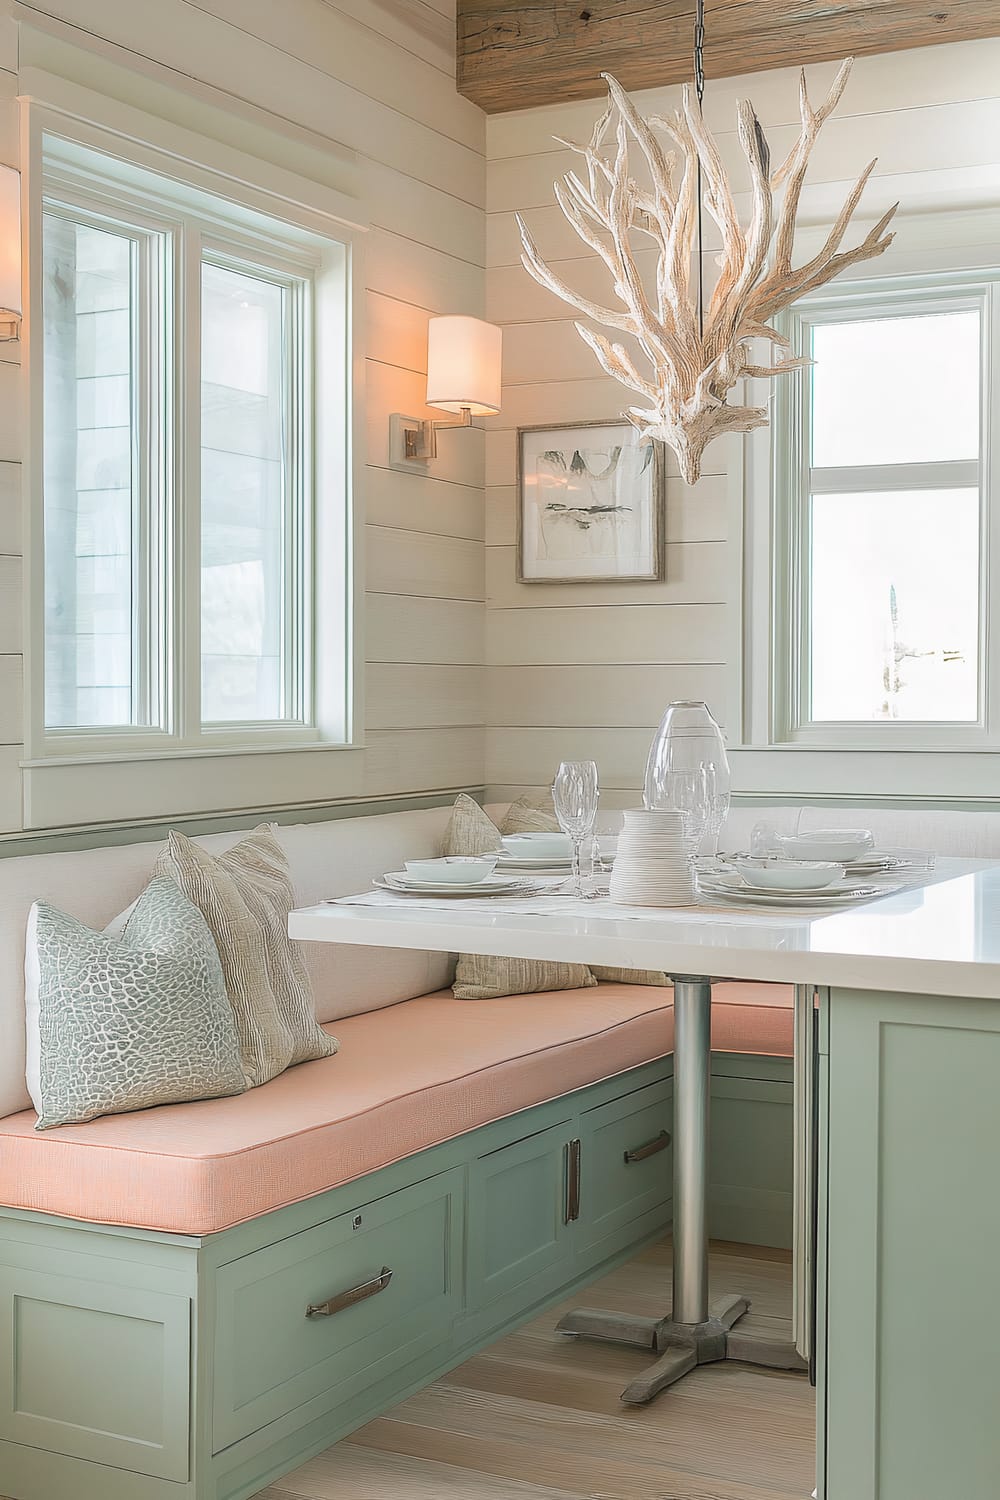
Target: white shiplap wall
point(375, 77)
point(586, 669)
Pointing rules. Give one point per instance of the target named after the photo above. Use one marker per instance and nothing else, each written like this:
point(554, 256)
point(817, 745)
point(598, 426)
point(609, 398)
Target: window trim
point(791, 483)
point(317, 245)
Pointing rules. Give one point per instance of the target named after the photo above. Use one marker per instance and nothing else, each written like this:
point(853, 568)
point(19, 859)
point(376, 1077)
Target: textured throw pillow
point(479, 977)
point(117, 1024)
point(245, 896)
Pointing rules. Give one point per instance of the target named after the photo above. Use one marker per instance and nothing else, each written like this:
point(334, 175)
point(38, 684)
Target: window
point(179, 468)
point(880, 498)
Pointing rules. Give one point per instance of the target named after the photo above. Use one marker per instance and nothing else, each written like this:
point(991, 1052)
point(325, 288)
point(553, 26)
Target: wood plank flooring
point(537, 1416)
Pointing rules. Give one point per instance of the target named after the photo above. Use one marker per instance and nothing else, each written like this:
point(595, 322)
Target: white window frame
point(792, 483)
point(321, 230)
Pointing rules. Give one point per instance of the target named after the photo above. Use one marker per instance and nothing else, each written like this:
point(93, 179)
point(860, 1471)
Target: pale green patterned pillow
point(124, 1023)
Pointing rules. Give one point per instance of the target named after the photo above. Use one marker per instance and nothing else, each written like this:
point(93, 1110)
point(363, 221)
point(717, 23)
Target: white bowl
point(538, 845)
point(788, 874)
point(453, 870)
point(839, 844)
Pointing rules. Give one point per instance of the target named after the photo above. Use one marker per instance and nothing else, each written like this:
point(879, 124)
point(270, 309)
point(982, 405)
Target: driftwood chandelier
point(695, 354)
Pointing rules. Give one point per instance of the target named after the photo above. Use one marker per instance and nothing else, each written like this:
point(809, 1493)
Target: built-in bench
point(199, 1296)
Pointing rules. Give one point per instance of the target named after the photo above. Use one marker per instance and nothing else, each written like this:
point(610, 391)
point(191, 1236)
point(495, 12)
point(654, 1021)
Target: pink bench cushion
point(405, 1079)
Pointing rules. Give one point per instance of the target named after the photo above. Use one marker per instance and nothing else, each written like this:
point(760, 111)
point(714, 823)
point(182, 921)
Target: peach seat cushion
point(405, 1079)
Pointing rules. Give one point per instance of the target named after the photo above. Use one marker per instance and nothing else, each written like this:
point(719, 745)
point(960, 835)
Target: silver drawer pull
point(641, 1153)
point(348, 1299)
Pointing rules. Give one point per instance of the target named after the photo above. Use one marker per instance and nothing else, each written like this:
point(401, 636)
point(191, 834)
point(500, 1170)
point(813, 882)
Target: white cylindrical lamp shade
point(10, 252)
point(463, 365)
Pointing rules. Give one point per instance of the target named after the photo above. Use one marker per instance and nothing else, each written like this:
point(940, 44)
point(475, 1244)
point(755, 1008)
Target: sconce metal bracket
point(413, 441)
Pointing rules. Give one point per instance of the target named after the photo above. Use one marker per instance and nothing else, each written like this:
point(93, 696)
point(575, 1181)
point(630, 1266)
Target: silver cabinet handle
point(641, 1153)
point(347, 1299)
point(574, 1157)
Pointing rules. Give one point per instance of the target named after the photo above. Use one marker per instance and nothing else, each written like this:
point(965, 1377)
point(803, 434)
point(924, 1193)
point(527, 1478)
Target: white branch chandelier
point(695, 354)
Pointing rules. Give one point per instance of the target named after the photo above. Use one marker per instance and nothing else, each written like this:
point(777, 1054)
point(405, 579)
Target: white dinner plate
point(399, 883)
point(838, 895)
point(874, 862)
point(505, 863)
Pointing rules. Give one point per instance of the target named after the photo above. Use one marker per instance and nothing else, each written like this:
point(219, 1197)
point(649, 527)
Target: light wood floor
point(537, 1415)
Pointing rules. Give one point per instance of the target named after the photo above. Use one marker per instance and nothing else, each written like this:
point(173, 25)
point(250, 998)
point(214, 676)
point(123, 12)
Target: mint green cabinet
point(372, 1289)
point(910, 1241)
point(142, 1366)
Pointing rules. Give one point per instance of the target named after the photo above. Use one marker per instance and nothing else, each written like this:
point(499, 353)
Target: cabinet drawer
point(373, 1288)
point(627, 1163)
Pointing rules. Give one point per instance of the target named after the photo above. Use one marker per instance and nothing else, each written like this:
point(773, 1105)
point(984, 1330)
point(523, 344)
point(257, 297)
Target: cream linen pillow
point(525, 816)
point(478, 977)
point(245, 896)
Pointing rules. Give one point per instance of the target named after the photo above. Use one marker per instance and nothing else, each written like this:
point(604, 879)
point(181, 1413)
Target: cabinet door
point(912, 1382)
point(518, 1220)
point(627, 1166)
point(95, 1371)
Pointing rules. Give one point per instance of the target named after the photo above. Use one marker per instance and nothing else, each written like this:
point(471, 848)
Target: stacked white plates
point(653, 866)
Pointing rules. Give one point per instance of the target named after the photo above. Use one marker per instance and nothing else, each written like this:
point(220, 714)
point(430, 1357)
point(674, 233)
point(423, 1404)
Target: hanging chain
point(699, 84)
point(699, 49)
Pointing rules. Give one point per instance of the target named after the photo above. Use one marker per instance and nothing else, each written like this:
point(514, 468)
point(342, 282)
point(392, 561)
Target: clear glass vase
point(687, 749)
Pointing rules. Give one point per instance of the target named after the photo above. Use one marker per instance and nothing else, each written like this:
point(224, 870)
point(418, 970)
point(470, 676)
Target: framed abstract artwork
point(590, 502)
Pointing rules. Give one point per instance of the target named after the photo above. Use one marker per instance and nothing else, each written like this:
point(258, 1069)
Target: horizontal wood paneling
point(414, 502)
point(424, 760)
point(513, 55)
point(530, 757)
point(610, 696)
point(408, 696)
point(695, 574)
point(10, 508)
point(10, 604)
point(657, 634)
point(446, 631)
point(11, 707)
point(415, 563)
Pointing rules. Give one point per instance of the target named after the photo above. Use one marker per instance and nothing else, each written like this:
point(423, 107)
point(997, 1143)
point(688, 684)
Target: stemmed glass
point(574, 797)
point(690, 792)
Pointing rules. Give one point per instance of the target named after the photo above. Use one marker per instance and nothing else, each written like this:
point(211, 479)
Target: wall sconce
point(10, 254)
point(463, 376)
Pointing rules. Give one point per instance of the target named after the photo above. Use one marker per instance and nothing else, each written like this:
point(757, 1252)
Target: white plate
point(874, 862)
point(838, 895)
point(402, 886)
point(503, 863)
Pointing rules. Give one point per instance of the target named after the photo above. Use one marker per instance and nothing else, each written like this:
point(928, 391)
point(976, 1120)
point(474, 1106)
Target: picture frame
point(590, 502)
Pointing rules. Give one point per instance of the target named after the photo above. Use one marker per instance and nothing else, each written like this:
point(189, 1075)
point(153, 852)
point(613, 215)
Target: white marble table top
point(940, 938)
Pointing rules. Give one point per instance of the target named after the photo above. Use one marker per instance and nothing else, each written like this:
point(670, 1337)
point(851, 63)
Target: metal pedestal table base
point(695, 1333)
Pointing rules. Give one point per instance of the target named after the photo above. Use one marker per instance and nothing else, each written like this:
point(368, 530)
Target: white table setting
point(653, 900)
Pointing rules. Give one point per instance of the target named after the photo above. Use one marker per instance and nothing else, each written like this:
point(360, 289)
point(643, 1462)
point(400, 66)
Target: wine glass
point(574, 797)
point(690, 793)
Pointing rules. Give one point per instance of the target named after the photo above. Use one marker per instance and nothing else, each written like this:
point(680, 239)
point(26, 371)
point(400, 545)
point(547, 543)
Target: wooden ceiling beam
point(515, 54)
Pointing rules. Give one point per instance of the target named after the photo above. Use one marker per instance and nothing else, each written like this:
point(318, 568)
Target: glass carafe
point(689, 741)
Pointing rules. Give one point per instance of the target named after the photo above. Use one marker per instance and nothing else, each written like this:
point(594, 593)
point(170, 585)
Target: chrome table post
point(696, 1332)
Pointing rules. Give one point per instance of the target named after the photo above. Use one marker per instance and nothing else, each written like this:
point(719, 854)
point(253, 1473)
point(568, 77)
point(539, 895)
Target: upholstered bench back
point(327, 859)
